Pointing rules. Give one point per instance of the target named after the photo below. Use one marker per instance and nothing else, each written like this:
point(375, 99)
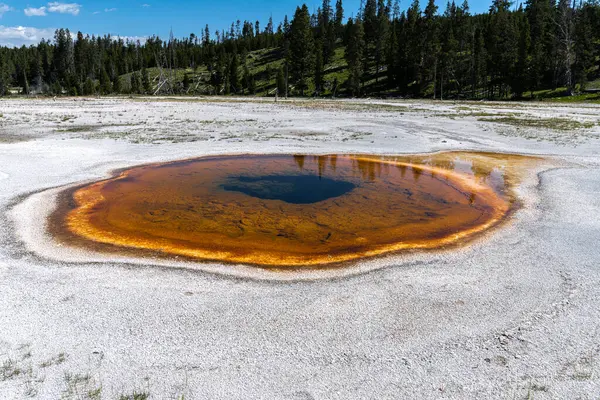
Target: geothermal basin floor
point(513, 315)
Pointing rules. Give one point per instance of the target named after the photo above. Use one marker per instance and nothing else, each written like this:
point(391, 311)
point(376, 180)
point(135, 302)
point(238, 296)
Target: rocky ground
point(514, 316)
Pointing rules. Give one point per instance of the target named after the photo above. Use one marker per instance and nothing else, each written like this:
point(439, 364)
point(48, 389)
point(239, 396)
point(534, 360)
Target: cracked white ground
point(516, 315)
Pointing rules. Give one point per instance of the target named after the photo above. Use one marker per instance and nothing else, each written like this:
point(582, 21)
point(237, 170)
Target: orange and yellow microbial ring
point(290, 210)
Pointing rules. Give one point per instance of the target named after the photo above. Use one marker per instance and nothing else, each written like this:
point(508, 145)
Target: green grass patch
point(135, 396)
point(563, 124)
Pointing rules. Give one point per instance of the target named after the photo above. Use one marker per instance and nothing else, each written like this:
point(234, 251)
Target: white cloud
point(4, 8)
point(145, 5)
point(110, 9)
point(16, 36)
point(53, 7)
point(96, 12)
point(35, 12)
point(64, 8)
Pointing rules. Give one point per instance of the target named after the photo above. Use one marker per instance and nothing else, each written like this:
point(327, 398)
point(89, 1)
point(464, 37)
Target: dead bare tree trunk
point(442, 86)
point(434, 78)
point(172, 64)
point(286, 79)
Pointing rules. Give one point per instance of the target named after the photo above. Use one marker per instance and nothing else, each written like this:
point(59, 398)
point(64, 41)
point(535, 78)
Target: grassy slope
point(265, 63)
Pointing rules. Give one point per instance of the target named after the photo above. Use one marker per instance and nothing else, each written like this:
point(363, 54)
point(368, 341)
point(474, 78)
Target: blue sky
point(27, 21)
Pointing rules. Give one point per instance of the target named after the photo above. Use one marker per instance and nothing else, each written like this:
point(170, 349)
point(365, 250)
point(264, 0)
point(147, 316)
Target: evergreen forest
point(513, 51)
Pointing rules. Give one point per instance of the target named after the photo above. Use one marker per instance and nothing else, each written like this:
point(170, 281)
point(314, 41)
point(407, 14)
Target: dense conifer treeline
point(507, 52)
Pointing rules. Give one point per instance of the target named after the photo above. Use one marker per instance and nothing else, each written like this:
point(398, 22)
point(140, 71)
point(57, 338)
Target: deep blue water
point(295, 189)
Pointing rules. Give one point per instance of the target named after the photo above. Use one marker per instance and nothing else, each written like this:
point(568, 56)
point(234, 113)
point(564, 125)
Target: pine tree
point(146, 86)
point(116, 84)
point(464, 34)
point(355, 55)
point(4, 77)
point(502, 47)
point(539, 14)
point(521, 77)
point(327, 31)
point(248, 81)
point(286, 31)
point(566, 48)
point(339, 18)
point(585, 49)
point(136, 83)
point(186, 82)
point(392, 49)
point(63, 57)
point(383, 22)
point(432, 44)
point(25, 83)
point(370, 25)
point(89, 88)
point(281, 89)
point(413, 51)
point(206, 36)
point(318, 76)
point(251, 85)
point(301, 54)
point(234, 77)
point(105, 83)
point(80, 54)
point(449, 53)
point(480, 57)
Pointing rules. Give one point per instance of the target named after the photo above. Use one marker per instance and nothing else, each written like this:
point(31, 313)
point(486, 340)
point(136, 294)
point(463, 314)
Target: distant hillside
point(262, 64)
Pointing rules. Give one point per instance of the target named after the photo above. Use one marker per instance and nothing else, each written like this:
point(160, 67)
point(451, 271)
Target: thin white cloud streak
point(64, 8)
point(4, 8)
point(35, 12)
point(110, 9)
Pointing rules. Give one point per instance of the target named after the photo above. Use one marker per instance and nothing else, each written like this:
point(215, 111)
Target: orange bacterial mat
point(291, 210)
